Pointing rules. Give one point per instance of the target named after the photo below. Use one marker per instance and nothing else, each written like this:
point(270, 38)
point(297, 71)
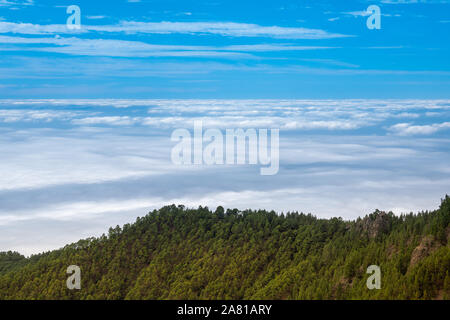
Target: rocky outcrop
point(375, 224)
point(423, 250)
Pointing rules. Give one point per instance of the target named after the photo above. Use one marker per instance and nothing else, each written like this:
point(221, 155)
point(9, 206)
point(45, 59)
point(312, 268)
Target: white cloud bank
point(102, 165)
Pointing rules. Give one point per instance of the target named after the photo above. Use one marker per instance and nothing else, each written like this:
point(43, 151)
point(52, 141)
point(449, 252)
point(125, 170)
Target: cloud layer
point(72, 168)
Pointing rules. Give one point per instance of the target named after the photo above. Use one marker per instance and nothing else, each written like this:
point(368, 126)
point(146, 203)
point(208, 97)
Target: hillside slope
point(179, 253)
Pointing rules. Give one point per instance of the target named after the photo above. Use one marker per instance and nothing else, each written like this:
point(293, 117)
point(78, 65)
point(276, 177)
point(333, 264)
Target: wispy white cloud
point(333, 62)
point(10, 116)
point(97, 67)
point(113, 120)
point(406, 129)
point(366, 13)
point(124, 48)
point(221, 28)
point(99, 17)
point(29, 28)
point(7, 3)
point(384, 47)
point(232, 29)
point(357, 13)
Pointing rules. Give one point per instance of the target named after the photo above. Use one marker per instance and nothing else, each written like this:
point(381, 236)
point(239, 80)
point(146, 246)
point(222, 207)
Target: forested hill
point(175, 253)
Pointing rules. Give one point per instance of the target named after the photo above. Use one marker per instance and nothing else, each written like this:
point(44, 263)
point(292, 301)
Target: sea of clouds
point(70, 169)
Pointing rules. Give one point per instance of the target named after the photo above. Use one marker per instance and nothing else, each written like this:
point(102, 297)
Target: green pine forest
point(181, 253)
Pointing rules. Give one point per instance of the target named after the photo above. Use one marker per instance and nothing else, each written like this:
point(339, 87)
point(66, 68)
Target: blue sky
point(224, 49)
point(86, 116)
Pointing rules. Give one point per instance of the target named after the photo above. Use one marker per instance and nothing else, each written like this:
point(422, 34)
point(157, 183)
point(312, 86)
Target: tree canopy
point(181, 253)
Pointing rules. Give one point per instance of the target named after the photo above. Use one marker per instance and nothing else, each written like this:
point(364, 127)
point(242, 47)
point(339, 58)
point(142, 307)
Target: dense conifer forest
point(181, 253)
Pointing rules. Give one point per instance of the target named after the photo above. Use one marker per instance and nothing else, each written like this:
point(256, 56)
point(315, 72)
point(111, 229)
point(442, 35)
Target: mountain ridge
point(180, 253)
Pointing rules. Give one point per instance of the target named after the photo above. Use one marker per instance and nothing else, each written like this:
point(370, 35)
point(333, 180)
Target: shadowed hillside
point(179, 253)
